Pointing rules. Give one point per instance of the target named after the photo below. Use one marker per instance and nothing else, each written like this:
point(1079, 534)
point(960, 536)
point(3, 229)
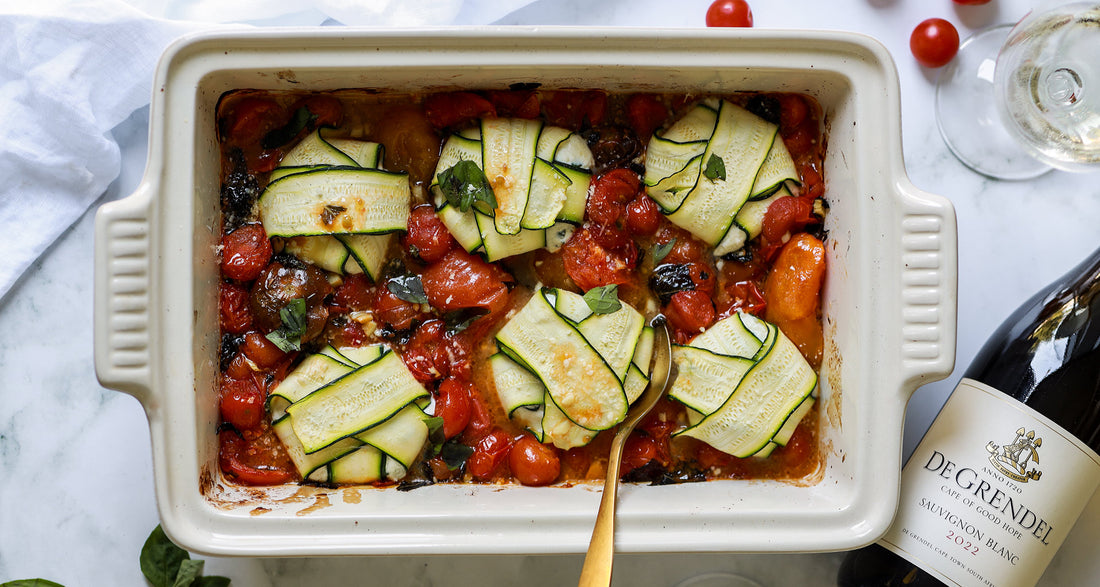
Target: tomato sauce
point(446, 342)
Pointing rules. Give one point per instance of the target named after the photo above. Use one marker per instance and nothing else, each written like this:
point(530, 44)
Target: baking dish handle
point(122, 290)
point(929, 286)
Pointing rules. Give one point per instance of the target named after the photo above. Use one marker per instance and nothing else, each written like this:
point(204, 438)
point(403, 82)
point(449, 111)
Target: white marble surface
point(76, 495)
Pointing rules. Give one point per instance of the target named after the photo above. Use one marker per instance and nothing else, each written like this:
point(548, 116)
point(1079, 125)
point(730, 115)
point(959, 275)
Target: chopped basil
point(662, 250)
point(603, 299)
point(455, 454)
point(464, 185)
point(458, 320)
point(715, 169)
point(408, 288)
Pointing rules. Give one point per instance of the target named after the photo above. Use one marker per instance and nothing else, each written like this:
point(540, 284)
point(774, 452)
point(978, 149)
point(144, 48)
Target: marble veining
point(76, 495)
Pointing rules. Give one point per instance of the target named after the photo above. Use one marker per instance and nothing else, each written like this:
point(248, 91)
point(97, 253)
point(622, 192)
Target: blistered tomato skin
point(462, 280)
point(234, 313)
point(427, 238)
point(241, 404)
point(489, 454)
point(456, 109)
point(245, 252)
point(643, 217)
point(690, 313)
point(452, 403)
point(534, 463)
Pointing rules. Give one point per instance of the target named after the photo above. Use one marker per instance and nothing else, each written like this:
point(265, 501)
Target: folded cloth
point(71, 71)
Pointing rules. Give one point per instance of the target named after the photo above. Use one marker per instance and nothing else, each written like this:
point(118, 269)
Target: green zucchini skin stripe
point(743, 405)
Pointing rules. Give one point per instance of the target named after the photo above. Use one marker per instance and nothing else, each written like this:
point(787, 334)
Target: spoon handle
point(601, 551)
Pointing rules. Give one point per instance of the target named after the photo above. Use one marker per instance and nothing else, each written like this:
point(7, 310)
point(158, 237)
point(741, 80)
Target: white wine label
point(990, 492)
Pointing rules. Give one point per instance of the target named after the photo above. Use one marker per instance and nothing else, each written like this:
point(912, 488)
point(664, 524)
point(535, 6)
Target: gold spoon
point(601, 549)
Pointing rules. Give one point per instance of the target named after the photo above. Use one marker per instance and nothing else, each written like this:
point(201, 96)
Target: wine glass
point(1021, 99)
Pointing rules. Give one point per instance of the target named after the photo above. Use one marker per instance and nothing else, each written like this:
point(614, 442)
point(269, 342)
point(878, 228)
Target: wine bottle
point(978, 505)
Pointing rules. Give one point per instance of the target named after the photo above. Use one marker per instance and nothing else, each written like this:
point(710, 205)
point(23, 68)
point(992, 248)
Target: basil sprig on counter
point(166, 565)
point(603, 299)
point(464, 185)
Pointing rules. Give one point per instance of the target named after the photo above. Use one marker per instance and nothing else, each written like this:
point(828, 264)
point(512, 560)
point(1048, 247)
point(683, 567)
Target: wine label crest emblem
point(1012, 459)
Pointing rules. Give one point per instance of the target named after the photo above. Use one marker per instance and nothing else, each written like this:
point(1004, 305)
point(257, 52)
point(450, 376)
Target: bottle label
point(990, 492)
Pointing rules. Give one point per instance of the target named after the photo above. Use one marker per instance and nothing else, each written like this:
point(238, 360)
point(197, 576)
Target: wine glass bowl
point(1020, 100)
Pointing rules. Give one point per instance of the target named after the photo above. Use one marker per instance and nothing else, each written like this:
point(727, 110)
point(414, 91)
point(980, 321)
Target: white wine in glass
point(1018, 100)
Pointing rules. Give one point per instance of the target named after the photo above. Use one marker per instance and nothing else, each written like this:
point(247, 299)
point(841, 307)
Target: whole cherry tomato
point(462, 280)
point(638, 451)
point(235, 315)
point(394, 311)
point(427, 237)
point(245, 252)
point(456, 108)
point(452, 403)
point(934, 42)
point(643, 217)
point(489, 454)
point(534, 463)
point(249, 463)
point(729, 13)
point(262, 351)
point(599, 255)
point(354, 293)
point(241, 403)
point(609, 195)
point(690, 312)
point(646, 113)
point(575, 109)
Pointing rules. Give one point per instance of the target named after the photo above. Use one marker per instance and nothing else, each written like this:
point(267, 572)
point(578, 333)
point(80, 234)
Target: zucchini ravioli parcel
point(462, 287)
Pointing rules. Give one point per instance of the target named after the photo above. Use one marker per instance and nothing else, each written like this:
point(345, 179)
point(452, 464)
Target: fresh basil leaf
point(458, 320)
point(294, 318)
point(190, 570)
point(715, 169)
point(212, 581)
point(288, 337)
point(464, 185)
point(603, 299)
point(433, 423)
point(284, 134)
point(408, 288)
point(455, 454)
point(662, 250)
point(31, 583)
point(435, 434)
point(161, 559)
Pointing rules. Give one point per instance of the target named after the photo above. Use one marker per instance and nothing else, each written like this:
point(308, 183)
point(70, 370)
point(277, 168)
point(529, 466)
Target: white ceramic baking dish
point(889, 300)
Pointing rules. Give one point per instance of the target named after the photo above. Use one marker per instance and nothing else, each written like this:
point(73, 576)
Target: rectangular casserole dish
point(889, 300)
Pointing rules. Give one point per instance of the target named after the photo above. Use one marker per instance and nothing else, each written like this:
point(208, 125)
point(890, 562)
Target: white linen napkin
point(70, 71)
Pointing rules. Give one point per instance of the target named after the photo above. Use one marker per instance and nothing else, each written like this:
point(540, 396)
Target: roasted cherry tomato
point(262, 351)
point(534, 463)
point(934, 42)
point(241, 403)
point(326, 110)
point(354, 293)
point(646, 113)
point(638, 451)
point(462, 280)
point(431, 355)
point(786, 215)
point(251, 118)
point(599, 255)
point(489, 454)
point(690, 312)
point(427, 236)
point(234, 313)
point(685, 249)
point(452, 403)
point(394, 311)
point(643, 217)
point(729, 13)
point(792, 111)
point(793, 291)
point(253, 462)
point(575, 109)
point(456, 109)
point(481, 419)
point(610, 194)
point(742, 296)
point(514, 103)
point(245, 252)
